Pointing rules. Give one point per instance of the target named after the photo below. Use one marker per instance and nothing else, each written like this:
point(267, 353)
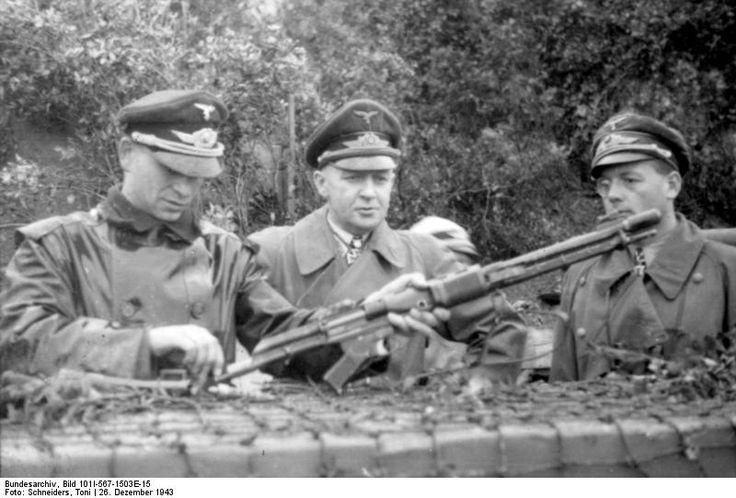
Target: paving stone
point(527, 449)
point(148, 461)
point(83, 460)
point(647, 439)
point(590, 442)
point(718, 462)
point(349, 456)
point(601, 470)
point(407, 454)
point(676, 465)
point(231, 460)
point(468, 452)
point(292, 456)
point(705, 432)
point(18, 458)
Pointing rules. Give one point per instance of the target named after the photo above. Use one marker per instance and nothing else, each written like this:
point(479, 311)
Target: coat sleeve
point(41, 331)
point(493, 330)
point(564, 352)
point(260, 310)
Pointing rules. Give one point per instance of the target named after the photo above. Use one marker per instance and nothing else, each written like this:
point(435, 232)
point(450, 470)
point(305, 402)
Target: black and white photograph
point(367, 239)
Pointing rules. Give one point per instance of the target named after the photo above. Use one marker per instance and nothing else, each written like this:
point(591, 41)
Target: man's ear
point(674, 185)
point(125, 152)
point(319, 180)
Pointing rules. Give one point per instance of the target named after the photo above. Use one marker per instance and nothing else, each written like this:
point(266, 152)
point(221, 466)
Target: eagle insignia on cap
point(206, 138)
point(365, 115)
point(613, 123)
point(617, 140)
point(368, 139)
point(206, 109)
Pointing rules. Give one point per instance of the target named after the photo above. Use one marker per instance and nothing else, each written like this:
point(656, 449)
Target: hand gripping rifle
point(358, 329)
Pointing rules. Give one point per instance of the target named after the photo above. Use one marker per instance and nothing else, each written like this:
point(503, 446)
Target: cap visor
point(363, 165)
point(623, 157)
point(196, 166)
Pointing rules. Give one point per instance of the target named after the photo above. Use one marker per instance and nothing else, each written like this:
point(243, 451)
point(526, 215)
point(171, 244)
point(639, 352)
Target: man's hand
point(416, 321)
point(202, 352)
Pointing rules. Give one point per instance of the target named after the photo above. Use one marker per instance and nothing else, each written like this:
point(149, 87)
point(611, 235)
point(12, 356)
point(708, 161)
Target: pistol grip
point(408, 361)
point(342, 370)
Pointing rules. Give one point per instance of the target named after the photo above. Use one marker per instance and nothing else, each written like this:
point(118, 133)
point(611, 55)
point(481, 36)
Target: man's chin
point(168, 216)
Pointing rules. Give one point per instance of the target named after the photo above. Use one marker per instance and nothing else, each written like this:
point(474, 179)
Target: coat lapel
point(316, 246)
point(675, 261)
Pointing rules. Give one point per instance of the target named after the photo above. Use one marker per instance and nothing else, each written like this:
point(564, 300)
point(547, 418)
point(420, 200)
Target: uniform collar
point(676, 259)
point(670, 268)
point(316, 244)
point(118, 210)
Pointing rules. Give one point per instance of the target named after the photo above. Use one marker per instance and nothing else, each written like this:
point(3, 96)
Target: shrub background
point(499, 100)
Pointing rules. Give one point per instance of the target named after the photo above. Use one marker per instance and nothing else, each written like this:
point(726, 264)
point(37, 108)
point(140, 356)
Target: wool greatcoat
point(689, 287)
point(83, 288)
point(304, 264)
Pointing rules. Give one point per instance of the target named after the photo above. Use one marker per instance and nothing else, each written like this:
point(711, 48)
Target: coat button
point(582, 281)
point(129, 309)
point(697, 277)
point(197, 309)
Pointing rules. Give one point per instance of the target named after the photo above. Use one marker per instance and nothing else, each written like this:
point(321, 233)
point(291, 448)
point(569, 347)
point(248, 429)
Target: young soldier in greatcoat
point(642, 297)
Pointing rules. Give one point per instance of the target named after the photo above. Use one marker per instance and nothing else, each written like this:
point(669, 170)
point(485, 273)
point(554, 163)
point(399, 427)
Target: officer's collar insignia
point(206, 138)
point(368, 139)
point(206, 109)
point(366, 116)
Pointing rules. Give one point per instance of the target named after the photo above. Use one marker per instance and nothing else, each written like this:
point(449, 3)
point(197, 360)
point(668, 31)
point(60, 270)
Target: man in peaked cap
point(138, 283)
point(643, 297)
point(345, 249)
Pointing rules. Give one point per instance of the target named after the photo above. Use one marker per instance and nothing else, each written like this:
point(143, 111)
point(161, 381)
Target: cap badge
point(368, 139)
point(206, 109)
point(206, 138)
point(616, 140)
point(366, 116)
point(612, 123)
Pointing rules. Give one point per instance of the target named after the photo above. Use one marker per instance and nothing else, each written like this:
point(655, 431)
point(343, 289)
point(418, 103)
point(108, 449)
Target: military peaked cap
point(629, 137)
point(180, 127)
point(359, 128)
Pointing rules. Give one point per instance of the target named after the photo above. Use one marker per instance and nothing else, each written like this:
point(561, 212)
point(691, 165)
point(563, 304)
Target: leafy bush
point(499, 99)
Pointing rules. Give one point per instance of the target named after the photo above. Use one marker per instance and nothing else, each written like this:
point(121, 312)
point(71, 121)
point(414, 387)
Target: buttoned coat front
point(81, 292)
point(304, 264)
point(689, 287)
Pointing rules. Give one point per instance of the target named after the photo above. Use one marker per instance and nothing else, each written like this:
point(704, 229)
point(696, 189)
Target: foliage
point(499, 99)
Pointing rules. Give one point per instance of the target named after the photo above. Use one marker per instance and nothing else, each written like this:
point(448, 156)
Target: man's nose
point(186, 185)
point(615, 191)
point(368, 188)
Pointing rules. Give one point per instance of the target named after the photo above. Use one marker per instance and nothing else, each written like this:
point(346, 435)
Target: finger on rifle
point(426, 317)
point(398, 322)
point(408, 325)
point(419, 322)
point(441, 314)
point(399, 284)
point(200, 378)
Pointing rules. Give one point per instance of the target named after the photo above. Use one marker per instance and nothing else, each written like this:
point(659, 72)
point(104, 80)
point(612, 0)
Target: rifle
point(358, 329)
point(724, 235)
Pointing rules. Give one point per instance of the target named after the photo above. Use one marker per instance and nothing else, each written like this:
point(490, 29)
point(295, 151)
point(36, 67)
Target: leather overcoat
point(83, 288)
point(689, 287)
point(304, 264)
